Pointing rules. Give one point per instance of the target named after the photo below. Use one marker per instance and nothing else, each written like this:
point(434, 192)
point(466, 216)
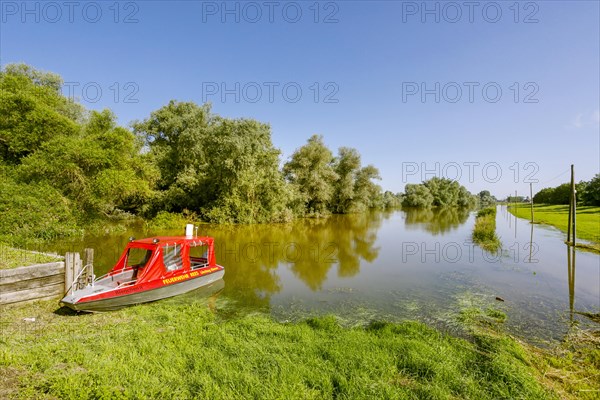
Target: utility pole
point(571, 229)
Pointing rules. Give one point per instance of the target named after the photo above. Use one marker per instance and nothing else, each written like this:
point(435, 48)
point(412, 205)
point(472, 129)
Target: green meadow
point(166, 350)
point(588, 218)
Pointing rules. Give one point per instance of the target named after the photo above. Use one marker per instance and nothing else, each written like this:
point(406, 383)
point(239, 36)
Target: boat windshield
point(138, 257)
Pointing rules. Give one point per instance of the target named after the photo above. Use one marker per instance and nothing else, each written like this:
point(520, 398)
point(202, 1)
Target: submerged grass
point(484, 231)
point(168, 351)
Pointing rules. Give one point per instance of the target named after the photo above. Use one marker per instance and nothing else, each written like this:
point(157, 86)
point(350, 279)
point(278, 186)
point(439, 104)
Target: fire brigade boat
point(148, 270)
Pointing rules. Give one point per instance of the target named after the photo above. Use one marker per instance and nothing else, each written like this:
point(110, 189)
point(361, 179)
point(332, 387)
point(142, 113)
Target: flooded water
point(409, 264)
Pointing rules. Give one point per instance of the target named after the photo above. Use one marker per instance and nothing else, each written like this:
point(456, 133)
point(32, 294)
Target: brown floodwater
point(405, 264)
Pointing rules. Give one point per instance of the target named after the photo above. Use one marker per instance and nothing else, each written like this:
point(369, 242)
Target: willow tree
point(417, 195)
point(346, 165)
point(242, 174)
point(445, 191)
point(225, 169)
point(32, 111)
point(175, 134)
point(367, 192)
point(312, 175)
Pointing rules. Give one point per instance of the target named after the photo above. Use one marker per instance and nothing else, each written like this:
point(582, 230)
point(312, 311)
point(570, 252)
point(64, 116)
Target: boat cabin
point(163, 258)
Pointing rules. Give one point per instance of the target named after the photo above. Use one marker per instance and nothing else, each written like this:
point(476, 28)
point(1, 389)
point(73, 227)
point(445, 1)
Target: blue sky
point(492, 93)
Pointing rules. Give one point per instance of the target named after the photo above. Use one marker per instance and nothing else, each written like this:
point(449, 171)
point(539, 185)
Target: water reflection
point(435, 220)
point(571, 278)
point(316, 266)
point(309, 248)
point(254, 255)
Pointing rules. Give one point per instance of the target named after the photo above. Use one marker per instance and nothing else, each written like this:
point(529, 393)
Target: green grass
point(11, 257)
point(179, 351)
point(484, 231)
point(588, 218)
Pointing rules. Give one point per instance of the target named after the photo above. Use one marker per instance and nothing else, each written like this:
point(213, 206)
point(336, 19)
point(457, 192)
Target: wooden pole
point(573, 202)
point(531, 243)
point(89, 260)
point(570, 208)
point(89, 256)
point(69, 258)
point(571, 278)
point(574, 214)
point(76, 268)
point(531, 199)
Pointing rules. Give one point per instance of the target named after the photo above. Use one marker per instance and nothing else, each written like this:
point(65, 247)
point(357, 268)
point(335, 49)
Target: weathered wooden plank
point(89, 256)
point(77, 266)
point(31, 272)
point(31, 294)
point(31, 283)
point(69, 266)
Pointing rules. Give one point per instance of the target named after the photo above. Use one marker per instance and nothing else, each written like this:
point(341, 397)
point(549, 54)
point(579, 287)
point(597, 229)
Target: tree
point(100, 169)
point(391, 200)
point(242, 178)
point(313, 177)
point(175, 135)
point(417, 195)
point(561, 194)
point(438, 192)
point(32, 111)
point(366, 191)
point(346, 166)
point(485, 198)
point(228, 170)
point(465, 198)
point(544, 196)
point(445, 192)
point(591, 193)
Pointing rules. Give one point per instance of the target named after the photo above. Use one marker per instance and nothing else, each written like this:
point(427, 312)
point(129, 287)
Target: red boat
point(148, 270)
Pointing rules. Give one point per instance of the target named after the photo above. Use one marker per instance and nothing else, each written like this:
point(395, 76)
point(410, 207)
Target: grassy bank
point(183, 351)
point(588, 218)
point(484, 231)
point(165, 350)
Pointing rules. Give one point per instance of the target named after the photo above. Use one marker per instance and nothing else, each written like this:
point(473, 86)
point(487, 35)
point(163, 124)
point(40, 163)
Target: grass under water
point(484, 231)
point(177, 351)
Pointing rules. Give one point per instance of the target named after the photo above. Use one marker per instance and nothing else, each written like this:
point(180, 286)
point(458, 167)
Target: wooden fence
point(41, 281)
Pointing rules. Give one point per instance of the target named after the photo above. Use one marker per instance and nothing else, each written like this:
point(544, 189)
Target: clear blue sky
point(375, 58)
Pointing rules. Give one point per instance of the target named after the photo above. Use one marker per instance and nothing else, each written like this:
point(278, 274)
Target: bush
point(484, 232)
point(34, 212)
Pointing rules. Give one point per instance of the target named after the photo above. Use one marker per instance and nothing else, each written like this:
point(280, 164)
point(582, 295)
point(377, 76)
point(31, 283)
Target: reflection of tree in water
point(251, 254)
point(250, 263)
point(345, 239)
point(436, 220)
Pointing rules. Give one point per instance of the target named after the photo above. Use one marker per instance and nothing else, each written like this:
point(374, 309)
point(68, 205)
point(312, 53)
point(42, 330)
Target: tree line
point(588, 193)
point(62, 165)
point(442, 192)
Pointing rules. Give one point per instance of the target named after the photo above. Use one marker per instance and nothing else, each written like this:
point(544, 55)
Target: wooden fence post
point(89, 256)
point(69, 259)
point(89, 260)
point(77, 267)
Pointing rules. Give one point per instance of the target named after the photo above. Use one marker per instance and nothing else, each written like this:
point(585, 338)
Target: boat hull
point(163, 292)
